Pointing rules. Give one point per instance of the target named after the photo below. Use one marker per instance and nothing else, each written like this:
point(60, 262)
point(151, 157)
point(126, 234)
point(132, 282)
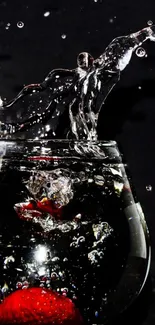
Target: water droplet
point(55, 259)
point(65, 259)
point(19, 285)
point(111, 20)
point(149, 188)
point(96, 313)
point(47, 127)
point(99, 180)
point(7, 26)
point(54, 275)
point(78, 216)
point(9, 259)
point(47, 281)
point(5, 288)
point(41, 285)
point(139, 87)
point(81, 239)
point(73, 286)
point(150, 22)
point(63, 36)
point(64, 290)
point(140, 52)
point(1, 101)
point(20, 24)
point(46, 14)
point(25, 285)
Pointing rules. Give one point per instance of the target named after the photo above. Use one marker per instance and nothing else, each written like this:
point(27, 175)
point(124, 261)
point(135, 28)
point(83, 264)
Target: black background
point(27, 55)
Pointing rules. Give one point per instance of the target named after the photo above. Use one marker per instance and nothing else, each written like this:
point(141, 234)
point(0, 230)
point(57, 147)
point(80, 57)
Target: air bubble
point(20, 24)
point(149, 188)
point(63, 36)
point(140, 52)
point(150, 22)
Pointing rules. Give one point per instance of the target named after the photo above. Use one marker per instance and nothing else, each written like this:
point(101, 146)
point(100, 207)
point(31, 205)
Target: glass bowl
point(74, 244)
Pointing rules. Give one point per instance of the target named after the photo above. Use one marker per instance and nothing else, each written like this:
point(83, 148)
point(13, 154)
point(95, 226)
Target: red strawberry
point(38, 306)
point(35, 209)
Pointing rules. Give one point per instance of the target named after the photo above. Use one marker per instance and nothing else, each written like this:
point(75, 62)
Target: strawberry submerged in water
point(37, 208)
point(38, 306)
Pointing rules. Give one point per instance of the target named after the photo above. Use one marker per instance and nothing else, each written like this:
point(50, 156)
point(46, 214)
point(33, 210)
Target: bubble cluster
point(94, 256)
point(77, 241)
point(101, 231)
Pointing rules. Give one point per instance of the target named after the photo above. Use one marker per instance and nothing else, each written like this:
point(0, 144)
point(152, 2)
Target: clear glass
point(70, 227)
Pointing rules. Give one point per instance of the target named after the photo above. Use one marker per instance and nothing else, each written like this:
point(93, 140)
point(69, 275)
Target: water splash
point(83, 90)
